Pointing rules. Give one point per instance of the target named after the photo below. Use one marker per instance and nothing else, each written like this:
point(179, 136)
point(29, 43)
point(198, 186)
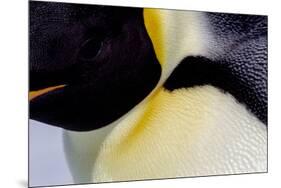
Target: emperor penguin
point(147, 93)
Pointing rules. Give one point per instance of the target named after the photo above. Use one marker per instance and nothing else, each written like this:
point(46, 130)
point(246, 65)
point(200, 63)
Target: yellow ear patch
point(153, 19)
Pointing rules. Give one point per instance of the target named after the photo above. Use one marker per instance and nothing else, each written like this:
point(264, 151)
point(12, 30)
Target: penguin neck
point(176, 35)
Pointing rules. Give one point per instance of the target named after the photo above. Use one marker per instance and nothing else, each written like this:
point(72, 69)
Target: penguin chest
point(187, 132)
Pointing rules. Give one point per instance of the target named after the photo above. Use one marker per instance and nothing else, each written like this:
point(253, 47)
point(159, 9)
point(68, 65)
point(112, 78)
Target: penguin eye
point(90, 49)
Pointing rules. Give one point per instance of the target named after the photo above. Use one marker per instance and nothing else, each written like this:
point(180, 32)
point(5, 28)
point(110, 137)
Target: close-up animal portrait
point(126, 93)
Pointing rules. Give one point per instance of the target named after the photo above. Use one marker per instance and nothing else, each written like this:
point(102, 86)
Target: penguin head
point(89, 65)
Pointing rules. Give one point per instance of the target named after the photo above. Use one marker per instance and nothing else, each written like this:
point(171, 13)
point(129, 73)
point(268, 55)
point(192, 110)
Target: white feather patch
point(188, 132)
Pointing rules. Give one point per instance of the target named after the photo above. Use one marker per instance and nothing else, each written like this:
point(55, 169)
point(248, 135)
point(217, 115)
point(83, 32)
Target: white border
point(13, 82)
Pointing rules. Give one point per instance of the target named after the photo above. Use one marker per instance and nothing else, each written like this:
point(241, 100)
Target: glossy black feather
point(102, 53)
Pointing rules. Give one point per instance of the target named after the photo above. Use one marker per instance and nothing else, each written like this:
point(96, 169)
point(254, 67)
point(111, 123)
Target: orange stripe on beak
point(34, 94)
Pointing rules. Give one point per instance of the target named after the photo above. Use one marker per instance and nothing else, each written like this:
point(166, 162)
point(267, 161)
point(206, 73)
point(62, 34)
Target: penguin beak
point(37, 93)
